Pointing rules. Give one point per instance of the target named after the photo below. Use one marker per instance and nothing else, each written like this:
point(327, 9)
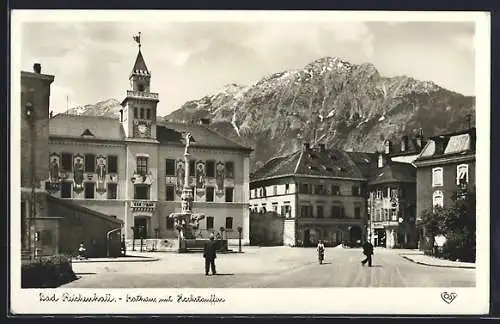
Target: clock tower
point(139, 106)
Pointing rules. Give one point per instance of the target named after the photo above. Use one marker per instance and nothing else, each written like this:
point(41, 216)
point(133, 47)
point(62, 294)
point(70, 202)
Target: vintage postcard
point(233, 162)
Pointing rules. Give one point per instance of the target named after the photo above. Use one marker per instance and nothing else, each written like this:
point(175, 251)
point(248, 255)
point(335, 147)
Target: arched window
point(462, 174)
point(437, 199)
point(437, 177)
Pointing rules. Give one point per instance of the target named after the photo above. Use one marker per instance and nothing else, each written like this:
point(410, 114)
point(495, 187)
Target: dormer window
point(87, 133)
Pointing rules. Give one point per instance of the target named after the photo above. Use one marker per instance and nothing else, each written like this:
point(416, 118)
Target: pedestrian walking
point(368, 251)
point(210, 255)
point(321, 251)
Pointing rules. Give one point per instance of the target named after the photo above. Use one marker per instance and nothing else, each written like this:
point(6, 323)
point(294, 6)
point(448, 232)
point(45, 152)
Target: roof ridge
point(84, 116)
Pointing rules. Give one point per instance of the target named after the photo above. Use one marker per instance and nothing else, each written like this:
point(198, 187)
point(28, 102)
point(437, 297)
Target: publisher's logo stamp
point(448, 297)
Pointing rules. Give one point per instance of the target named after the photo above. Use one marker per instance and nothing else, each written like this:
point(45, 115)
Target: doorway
point(140, 227)
point(307, 238)
point(380, 237)
point(355, 235)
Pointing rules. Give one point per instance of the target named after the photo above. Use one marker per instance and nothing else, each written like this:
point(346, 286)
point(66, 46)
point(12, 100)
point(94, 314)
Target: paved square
point(273, 267)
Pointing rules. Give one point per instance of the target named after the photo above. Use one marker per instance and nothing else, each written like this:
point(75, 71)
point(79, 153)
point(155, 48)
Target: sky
point(92, 61)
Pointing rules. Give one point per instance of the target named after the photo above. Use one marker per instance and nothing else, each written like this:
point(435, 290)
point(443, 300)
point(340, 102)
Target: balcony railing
point(142, 94)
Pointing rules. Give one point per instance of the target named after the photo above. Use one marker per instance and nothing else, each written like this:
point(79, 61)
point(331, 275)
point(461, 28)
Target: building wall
point(81, 225)
point(279, 198)
point(35, 89)
point(88, 147)
point(266, 229)
point(424, 183)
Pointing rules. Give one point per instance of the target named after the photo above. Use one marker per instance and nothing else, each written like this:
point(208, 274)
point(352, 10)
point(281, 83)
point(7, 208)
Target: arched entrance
point(355, 235)
point(307, 238)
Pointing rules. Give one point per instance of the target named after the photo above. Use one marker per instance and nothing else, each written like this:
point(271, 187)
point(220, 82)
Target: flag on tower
point(137, 38)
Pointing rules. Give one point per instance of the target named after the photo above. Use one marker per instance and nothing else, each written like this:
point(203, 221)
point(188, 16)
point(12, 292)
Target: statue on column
point(188, 142)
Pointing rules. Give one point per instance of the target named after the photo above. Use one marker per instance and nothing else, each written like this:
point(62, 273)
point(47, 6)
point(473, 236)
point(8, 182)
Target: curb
point(436, 265)
point(132, 259)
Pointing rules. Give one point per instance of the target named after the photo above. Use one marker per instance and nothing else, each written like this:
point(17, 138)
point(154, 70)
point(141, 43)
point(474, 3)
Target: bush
point(47, 272)
point(459, 247)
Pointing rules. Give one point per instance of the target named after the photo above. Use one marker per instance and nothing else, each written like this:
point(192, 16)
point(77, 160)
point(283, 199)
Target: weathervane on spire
point(137, 39)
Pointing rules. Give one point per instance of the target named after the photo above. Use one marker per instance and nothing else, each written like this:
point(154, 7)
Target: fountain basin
point(197, 245)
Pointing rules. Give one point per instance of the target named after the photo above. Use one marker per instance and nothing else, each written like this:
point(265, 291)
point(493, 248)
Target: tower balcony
point(142, 95)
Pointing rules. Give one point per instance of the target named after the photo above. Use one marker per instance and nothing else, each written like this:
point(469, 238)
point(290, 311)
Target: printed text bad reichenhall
point(109, 298)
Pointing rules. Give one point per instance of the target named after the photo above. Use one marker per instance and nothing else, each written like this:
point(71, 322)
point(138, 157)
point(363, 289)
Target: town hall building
point(133, 167)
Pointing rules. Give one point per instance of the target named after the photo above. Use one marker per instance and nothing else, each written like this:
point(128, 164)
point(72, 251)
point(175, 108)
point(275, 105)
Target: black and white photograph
point(250, 162)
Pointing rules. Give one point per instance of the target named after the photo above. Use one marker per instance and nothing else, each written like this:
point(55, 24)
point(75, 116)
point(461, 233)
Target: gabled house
point(445, 171)
point(320, 193)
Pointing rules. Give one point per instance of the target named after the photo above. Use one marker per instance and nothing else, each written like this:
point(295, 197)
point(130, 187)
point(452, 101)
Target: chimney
point(381, 160)
point(387, 147)
point(322, 147)
point(469, 121)
point(121, 115)
point(37, 67)
point(307, 146)
point(205, 121)
point(420, 138)
point(404, 143)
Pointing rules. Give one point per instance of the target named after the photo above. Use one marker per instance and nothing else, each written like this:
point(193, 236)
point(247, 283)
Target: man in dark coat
point(209, 255)
point(368, 251)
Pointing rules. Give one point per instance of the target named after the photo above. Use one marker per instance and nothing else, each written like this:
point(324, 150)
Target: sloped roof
point(74, 126)
point(173, 133)
point(393, 172)
point(140, 65)
point(366, 162)
point(449, 144)
point(328, 163)
point(278, 166)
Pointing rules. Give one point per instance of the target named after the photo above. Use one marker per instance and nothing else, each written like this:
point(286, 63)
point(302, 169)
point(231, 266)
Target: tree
point(457, 223)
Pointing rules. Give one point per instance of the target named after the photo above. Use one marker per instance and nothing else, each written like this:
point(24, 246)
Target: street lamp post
point(31, 120)
point(141, 233)
point(240, 229)
point(133, 238)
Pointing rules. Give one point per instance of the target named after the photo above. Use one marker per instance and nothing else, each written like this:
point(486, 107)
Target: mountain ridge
point(329, 100)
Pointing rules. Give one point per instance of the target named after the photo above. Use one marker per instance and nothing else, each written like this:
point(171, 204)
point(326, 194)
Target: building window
point(210, 169)
point(357, 212)
point(320, 212)
point(319, 189)
point(112, 190)
point(229, 223)
point(142, 165)
point(285, 209)
point(141, 113)
point(170, 167)
point(89, 190)
point(462, 174)
point(170, 223)
point(275, 207)
point(356, 191)
point(136, 115)
point(337, 211)
point(275, 190)
point(65, 189)
point(67, 162)
point(335, 190)
point(437, 177)
point(229, 194)
point(112, 164)
point(287, 188)
point(148, 113)
point(306, 211)
point(141, 192)
point(229, 169)
point(210, 194)
point(169, 193)
point(89, 163)
point(140, 87)
point(210, 222)
point(437, 199)
point(191, 168)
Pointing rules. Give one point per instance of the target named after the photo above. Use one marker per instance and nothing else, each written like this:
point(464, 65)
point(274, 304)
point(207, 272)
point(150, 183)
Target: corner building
point(133, 168)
